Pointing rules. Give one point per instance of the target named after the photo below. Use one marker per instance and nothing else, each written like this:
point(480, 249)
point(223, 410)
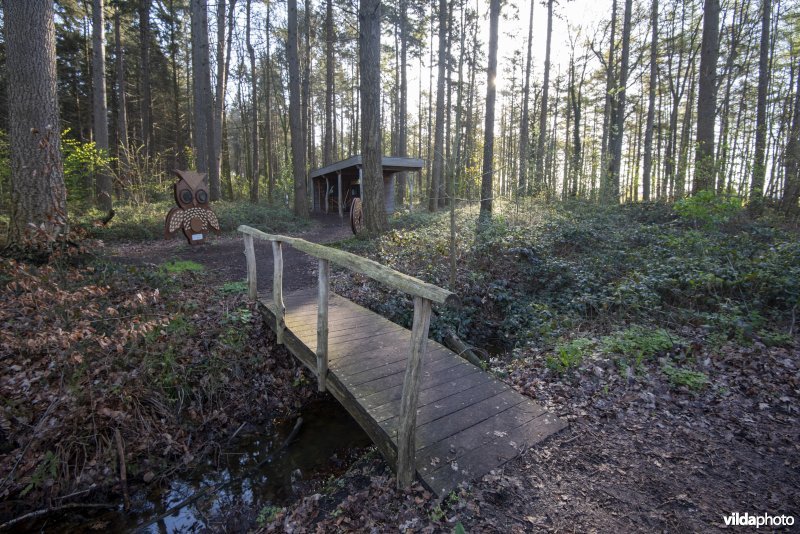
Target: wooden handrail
point(380, 273)
point(424, 295)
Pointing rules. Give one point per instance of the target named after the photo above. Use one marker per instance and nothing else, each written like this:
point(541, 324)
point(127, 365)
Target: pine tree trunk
point(539, 178)
point(146, 100)
point(438, 136)
point(296, 117)
point(759, 167)
point(608, 104)
point(487, 170)
point(524, 136)
point(369, 56)
point(327, 149)
point(224, 41)
point(651, 104)
point(103, 182)
point(254, 145)
point(791, 161)
point(38, 196)
point(122, 113)
point(707, 100)
point(618, 113)
point(402, 114)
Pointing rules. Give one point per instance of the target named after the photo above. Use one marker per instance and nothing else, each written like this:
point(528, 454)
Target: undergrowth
point(146, 221)
point(98, 356)
point(537, 274)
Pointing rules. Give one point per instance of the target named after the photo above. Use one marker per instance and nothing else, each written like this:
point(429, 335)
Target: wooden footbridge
point(430, 413)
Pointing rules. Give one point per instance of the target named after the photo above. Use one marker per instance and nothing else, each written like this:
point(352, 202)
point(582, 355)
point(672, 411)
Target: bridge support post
point(250, 254)
point(277, 291)
point(406, 430)
point(322, 324)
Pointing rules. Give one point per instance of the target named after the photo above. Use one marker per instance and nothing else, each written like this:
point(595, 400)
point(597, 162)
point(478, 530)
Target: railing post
point(322, 324)
point(250, 254)
point(406, 430)
point(277, 291)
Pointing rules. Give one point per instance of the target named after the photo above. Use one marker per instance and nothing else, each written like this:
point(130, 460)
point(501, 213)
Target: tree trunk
point(487, 170)
point(402, 113)
point(103, 184)
point(146, 100)
point(327, 149)
point(707, 100)
point(524, 136)
point(651, 104)
point(254, 148)
point(122, 113)
point(369, 55)
point(38, 195)
point(224, 41)
point(759, 168)
point(296, 117)
point(306, 87)
point(438, 136)
point(791, 160)
point(201, 86)
point(618, 112)
point(271, 163)
point(539, 183)
point(608, 103)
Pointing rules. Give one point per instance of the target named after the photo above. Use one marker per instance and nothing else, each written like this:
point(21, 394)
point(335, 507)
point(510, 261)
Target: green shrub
point(707, 208)
point(569, 355)
point(680, 377)
point(636, 344)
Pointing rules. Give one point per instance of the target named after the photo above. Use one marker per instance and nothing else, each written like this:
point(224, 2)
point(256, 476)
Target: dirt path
point(223, 256)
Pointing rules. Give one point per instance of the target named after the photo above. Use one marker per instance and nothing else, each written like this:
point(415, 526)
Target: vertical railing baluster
point(407, 424)
point(277, 291)
point(322, 323)
point(250, 254)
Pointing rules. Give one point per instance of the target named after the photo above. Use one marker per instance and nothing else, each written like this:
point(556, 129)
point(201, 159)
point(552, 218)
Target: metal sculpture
point(193, 214)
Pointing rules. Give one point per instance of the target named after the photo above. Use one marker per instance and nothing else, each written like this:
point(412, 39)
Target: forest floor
point(667, 340)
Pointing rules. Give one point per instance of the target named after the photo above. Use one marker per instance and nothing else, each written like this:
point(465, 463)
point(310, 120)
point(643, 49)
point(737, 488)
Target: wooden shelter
point(335, 186)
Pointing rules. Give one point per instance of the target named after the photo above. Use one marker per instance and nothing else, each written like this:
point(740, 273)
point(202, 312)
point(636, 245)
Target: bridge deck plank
point(468, 422)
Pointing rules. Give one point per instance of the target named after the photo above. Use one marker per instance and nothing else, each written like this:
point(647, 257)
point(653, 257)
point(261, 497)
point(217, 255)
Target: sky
point(513, 35)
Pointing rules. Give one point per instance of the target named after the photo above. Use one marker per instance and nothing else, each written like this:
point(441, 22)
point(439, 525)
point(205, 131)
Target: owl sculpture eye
point(202, 197)
point(186, 196)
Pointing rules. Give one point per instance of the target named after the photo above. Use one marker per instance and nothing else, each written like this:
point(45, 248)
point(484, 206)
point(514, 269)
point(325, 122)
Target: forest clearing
point(574, 224)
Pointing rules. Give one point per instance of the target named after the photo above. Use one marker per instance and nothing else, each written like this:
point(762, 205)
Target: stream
point(324, 440)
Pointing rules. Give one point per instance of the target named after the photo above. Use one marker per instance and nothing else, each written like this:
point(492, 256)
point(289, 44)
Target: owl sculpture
point(192, 215)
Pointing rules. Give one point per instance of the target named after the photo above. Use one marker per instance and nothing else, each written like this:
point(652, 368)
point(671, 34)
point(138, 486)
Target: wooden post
point(339, 180)
point(406, 430)
point(327, 188)
point(277, 291)
point(322, 324)
point(250, 254)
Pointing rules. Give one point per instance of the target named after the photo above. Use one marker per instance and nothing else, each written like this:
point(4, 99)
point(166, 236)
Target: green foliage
point(541, 269)
point(707, 208)
point(569, 355)
point(638, 340)
point(636, 344)
point(46, 470)
point(181, 266)
point(81, 163)
point(267, 514)
point(680, 377)
point(459, 529)
point(146, 221)
point(231, 288)
point(437, 513)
